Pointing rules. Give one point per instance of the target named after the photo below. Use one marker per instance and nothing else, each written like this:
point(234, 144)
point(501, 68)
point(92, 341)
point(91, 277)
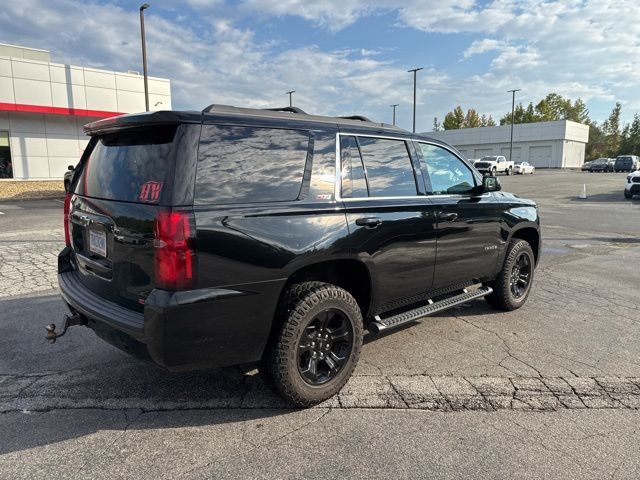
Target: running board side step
point(380, 324)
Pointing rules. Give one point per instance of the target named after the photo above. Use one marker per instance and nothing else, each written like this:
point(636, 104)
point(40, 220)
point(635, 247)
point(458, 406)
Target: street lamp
point(513, 106)
point(394, 112)
point(414, 70)
point(290, 93)
point(143, 7)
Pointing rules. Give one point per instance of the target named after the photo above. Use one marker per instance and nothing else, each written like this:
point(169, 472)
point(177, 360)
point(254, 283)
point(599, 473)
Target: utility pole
point(415, 71)
point(513, 106)
point(290, 93)
point(394, 112)
point(143, 7)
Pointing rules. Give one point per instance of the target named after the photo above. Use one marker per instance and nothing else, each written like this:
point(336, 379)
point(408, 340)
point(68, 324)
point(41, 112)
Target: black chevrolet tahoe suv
point(234, 236)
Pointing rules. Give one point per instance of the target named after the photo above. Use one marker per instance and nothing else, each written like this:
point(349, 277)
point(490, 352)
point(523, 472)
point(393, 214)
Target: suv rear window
point(128, 166)
point(250, 164)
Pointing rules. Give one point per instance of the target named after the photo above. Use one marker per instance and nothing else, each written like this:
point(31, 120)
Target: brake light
point(67, 223)
point(174, 252)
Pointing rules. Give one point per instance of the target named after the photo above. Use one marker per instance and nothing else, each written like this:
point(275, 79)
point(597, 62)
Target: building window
point(6, 168)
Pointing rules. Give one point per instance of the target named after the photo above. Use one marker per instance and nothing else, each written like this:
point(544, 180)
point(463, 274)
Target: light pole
point(394, 112)
point(414, 70)
point(143, 7)
point(513, 106)
point(290, 93)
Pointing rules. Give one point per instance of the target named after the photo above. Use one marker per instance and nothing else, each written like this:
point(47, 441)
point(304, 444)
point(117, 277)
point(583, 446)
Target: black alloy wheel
point(520, 275)
point(512, 285)
point(324, 347)
point(315, 344)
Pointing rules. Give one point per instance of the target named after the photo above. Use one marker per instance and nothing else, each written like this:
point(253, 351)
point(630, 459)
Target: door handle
point(448, 217)
point(368, 222)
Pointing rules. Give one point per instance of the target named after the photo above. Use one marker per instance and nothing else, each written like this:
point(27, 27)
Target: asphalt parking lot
point(551, 390)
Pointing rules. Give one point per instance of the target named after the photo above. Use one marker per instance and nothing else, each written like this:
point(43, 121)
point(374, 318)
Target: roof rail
point(362, 118)
point(287, 109)
point(212, 106)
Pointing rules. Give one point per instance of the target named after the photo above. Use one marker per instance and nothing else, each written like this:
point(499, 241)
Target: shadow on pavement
point(80, 372)
point(615, 197)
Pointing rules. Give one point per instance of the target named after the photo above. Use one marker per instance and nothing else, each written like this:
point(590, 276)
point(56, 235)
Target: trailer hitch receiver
point(69, 321)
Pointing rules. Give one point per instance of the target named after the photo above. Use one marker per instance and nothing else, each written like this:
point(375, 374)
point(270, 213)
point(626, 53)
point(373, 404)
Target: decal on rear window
point(150, 191)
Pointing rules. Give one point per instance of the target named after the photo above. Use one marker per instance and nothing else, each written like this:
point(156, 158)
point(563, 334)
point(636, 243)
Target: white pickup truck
point(493, 165)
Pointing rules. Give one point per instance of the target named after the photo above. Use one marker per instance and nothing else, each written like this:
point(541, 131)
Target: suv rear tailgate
point(126, 178)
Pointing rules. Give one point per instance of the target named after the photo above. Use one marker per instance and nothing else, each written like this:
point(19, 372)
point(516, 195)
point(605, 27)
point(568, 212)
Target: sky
point(347, 57)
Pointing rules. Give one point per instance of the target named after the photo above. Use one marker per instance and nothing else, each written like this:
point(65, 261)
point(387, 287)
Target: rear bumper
point(184, 330)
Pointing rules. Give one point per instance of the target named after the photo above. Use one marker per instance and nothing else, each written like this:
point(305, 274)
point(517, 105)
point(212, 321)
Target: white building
point(44, 105)
point(558, 144)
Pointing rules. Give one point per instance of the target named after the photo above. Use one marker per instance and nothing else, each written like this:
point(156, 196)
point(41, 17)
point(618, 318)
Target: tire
point(308, 309)
point(627, 194)
point(494, 171)
point(509, 171)
point(503, 296)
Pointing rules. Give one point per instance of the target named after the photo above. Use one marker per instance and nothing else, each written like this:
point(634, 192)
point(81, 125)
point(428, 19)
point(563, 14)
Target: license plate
point(98, 242)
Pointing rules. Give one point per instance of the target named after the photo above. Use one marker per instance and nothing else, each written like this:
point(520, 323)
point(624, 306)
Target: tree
point(454, 120)
point(630, 143)
point(437, 126)
point(611, 130)
point(551, 108)
point(472, 119)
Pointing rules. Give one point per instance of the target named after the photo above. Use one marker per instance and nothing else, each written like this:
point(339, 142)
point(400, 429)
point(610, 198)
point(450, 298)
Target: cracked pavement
point(551, 390)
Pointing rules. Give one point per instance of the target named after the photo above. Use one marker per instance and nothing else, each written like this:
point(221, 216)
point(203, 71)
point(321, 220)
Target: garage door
point(517, 156)
point(540, 156)
point(482, 152)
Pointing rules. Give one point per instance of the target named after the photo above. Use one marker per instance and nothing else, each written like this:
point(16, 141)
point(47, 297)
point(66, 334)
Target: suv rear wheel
point(513, 284)
point(316, 347)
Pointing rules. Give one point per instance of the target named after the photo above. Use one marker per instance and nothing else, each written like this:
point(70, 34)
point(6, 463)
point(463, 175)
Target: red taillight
point(174, 255)
point(67, 224)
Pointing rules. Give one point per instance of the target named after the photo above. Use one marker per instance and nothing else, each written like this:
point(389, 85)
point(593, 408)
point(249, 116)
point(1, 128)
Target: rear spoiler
point(137, 120)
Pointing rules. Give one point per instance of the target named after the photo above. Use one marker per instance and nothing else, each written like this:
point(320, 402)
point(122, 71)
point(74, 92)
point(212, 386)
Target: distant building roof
point(17, 51)
point(522, 132)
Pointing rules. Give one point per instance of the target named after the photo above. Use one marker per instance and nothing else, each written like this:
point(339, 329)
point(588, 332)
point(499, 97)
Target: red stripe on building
point(78, 112)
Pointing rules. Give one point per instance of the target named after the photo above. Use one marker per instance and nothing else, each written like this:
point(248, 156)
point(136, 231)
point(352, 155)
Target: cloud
point(213, 54)
point(483, 46)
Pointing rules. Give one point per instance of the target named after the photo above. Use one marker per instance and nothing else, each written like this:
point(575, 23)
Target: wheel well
point(532, 236)
point(351, 275)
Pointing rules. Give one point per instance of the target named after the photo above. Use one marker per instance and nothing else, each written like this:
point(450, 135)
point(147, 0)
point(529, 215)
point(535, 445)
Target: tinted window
point(353, 181)
point(129, 166)
point(250, 164)
point(323, 175)
point(388, 167)
point(446, 173)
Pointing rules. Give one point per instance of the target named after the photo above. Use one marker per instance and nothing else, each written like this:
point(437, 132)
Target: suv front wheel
point(317, 343)
point(513, 283)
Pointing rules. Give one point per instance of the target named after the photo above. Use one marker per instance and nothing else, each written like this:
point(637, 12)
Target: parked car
point(632, 185)
point(280, 248)
point(494, 164)
point(68, 176)
point(627, 163)
point(602, 165)
point(523, 167)
point(586, 165)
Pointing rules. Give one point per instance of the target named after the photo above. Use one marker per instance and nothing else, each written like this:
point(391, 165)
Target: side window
point(353, 181)
point(446, 173)
point(388, 167)
point(250, 164)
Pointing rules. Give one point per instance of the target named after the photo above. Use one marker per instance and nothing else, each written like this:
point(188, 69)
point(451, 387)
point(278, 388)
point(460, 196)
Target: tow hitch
point(69, 321)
